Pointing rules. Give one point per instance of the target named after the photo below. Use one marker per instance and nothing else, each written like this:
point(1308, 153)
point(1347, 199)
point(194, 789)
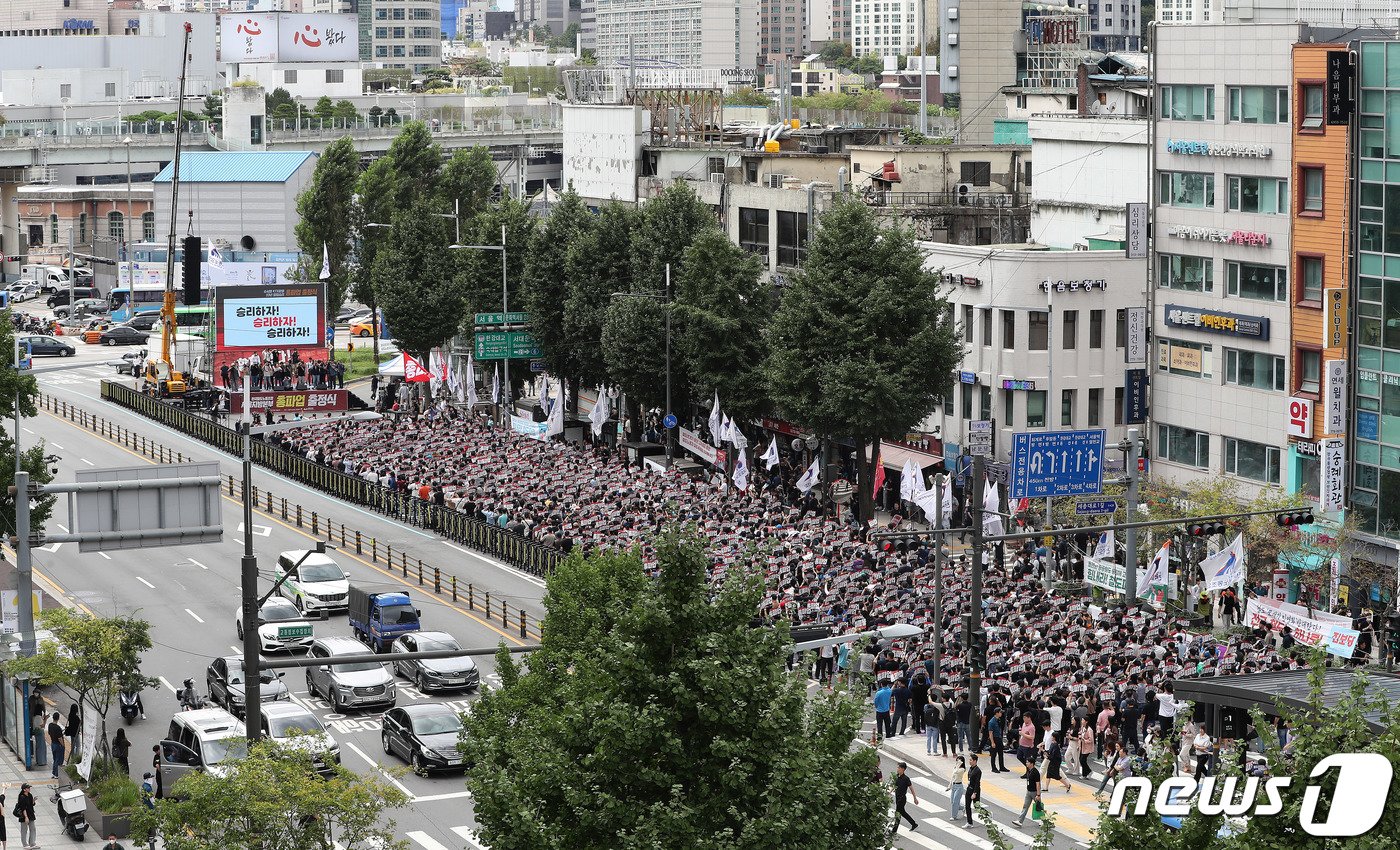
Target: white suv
point(318, 583)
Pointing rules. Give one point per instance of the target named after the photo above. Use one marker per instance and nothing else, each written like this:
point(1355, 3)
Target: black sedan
point(47, 345)
point(434, 674)
point(224, 679)
point(425, 735)
point(123, 335)
point(142, 321)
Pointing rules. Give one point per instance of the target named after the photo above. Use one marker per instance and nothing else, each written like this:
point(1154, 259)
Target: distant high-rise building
point(406, 33)
point(782, 30)
point(885, 28)
point(554, 14)
point(449, 11)
point(53, 17)
point(588, 24)
point(686, 33)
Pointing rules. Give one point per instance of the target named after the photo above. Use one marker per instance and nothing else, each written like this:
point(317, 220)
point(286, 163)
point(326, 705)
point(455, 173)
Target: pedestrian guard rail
point(514, 549)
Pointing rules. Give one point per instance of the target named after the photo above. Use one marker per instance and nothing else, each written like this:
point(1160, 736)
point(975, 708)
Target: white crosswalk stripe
point(466, 834)
point(941, 822)
point(426, 840)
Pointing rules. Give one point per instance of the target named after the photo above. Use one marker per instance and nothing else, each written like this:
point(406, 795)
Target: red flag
point(1023, 505)
point(879, 474)
point(413, 371)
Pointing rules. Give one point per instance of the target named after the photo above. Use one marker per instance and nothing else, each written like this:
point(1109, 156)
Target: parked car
point(224, 679)
point(84, 307)
point(280, 626)
point(434, 674)
point(425, 735)
point(316, 581)
point(356, 684)
point(208, 739)
point(42, 344)
point(122, 335)
point(23, 290)
point(143, 322)
point(293, 726)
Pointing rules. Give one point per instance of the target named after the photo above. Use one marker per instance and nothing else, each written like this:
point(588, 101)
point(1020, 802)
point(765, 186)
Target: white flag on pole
point(496, 386)
point(1226, 567)
point(716, 422)
point(991, 506)
point(920, 486)
point(325, 261)
point(216, 259)
point(471, 383)
point(811, 477)
point(437, 369)
point(770, 457)
point(1157, 570)
point(599, 414)
point(741, 472)
point(555, 424)
point(926, 500)
point(737, 437)
point(947, 501)
point(726, 430)
point(1104, 550)
point(906, 481)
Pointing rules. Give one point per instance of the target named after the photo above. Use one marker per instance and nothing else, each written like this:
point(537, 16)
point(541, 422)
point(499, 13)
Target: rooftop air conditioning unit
point(952, 39)
point(953, 13)
point(964, 193)
point(775, 181)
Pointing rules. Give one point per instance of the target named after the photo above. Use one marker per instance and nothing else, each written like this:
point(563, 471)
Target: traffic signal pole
point(1130, 534)
point(974, 670)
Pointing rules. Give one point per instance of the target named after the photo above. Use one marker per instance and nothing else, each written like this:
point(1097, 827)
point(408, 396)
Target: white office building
point(719, 34)
point(885, 27)
point(1043, 334)
point(1221, 316)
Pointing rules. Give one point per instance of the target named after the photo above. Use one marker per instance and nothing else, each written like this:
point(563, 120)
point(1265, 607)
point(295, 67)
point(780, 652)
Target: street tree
point(862, 342)
point(94, 657)
point(666, 226)
point(22, 390)
point(214, 107)
point(418, 281)
point(633, 342)
point(465, 183)
point(656, 715)
point(482, 269)
point(272, 799)
point(599, 263)
point(326, 217)
point(276, 98)
point(345, 110)
point(546, 283)
point(722, 309)
point(324, 109)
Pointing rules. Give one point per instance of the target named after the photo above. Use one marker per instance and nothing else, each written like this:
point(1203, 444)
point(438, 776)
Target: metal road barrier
point(474, 533)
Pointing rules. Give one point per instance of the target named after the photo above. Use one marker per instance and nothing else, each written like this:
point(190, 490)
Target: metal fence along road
point(520, 552)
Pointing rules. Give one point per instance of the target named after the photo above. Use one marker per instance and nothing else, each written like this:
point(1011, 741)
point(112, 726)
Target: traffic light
point(967, 629)
point(1392, 631)
point(1292, 519)
point(189, 268)
point(1205, 529)
point(977, 651)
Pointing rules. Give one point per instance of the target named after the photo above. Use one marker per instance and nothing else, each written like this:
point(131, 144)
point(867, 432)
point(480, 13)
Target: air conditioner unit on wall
point(964, 193)
point(775, 181)
point(716, 178)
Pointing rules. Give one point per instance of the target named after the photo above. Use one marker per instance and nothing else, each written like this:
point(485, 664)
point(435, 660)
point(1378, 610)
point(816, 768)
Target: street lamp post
point(252, 645)
point(670, 432)
point(126, 241)
point(505, 308)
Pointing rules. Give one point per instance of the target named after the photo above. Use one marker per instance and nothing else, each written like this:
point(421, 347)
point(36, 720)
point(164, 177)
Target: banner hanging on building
point(1334, 409)
point(292, 401)
point(1333, 496)
point(1307, 629)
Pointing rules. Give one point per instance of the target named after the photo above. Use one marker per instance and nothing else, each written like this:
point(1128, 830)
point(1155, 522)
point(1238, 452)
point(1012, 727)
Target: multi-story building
point(555, 15)
point(406, 33)
point(812, 76)
point(1188, 11)
point(1221, 305)
point(587, 25)
point(782, 31)
point(1112, 24)
point(54, 218)
point(53, 17)
point(1089, 169)
point(885, 27)
point(720, 34)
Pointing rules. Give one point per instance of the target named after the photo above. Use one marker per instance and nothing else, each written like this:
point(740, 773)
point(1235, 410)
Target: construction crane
point(161, 376)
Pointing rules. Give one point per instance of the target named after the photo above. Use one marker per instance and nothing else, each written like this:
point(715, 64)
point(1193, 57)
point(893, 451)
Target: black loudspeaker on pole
point(189, 271)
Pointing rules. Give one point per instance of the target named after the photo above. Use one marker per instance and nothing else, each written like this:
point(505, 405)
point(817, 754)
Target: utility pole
point(505, 308)
point(974, 671)
point(670, 432)
point(252, 681)
point(937, 581)
point(1130, 534)
point(24, 576)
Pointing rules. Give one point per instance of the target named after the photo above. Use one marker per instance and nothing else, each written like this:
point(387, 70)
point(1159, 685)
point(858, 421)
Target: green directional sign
point(502, 318)
point(292, 632)
point(506, 345)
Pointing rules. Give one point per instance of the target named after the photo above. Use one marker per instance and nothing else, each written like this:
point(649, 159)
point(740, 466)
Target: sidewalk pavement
point(12, 775)
point(1076, 812)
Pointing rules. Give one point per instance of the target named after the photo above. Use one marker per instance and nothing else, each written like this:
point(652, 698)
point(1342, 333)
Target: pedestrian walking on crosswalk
point(956, 787)
point(903, 793)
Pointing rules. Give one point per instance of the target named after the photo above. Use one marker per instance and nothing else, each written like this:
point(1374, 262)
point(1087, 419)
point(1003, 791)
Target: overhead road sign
point(1057, 463)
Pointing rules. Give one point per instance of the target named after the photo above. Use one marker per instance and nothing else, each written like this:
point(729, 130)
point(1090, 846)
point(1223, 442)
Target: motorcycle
point(189, 697)
point(131, 705)
point(72, 811)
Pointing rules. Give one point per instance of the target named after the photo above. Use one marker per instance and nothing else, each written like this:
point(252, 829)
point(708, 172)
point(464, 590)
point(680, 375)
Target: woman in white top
point(1201, 747)
point(955, 789)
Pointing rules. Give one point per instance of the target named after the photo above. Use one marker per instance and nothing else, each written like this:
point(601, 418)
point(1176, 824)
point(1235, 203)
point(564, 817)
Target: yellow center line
point(387, 573)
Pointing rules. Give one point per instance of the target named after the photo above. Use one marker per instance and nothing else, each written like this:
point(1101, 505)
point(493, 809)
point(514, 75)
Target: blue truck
point(378, 617)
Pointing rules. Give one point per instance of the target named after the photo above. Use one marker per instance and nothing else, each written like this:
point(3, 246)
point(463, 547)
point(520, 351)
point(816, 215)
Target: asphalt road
point(191, 593)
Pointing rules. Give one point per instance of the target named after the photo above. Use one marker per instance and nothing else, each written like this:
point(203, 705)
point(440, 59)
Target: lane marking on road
point(166, 682)
point(52, 547)
point(62, 526)
point(26, 430)
point(466, 834)
point(426, 840)
point(147, 583)
point(86, 461)
point(197, 618)
point(471, 615)
point(379, 767)
point(260, 530)
point(105, 555)
point(236, 649)
point(196, 563)
point(498, 565)
point(432, 798)
point(57, 446)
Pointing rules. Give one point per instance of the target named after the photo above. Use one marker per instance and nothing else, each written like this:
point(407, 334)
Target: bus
point(126, 301)
point(195, 321)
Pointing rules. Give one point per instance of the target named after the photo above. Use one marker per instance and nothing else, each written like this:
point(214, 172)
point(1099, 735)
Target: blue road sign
point(669, 421)
point(1094, 507)
point(1057, 463)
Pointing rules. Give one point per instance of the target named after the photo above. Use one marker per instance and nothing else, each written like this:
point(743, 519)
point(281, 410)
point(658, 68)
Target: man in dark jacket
point(974, 789)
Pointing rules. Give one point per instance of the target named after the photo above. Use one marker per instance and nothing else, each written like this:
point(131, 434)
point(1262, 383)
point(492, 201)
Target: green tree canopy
point(272, 799)
point(862, 341)
point(656, 715)
point(418, 281)
point(24, 390)
point(546, 284)
point(466, 182)
point(324, 109)
point(278, 97)
point(599, 263)
point(668, 223)
point(634, 350)
point(482, 269)
point(723, 307)
point(747, 96)
point(326, 210)
point(345, 110)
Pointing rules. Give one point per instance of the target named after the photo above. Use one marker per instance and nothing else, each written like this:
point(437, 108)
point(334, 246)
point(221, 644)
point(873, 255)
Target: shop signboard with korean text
point(1335, 333)
point(1334, 403)
point(1135, 396)
point(1339, 97)
point(1136, 348)
point(1137, 231)
point(1216, 321)
point(1300, 412)
point(1333, 497)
